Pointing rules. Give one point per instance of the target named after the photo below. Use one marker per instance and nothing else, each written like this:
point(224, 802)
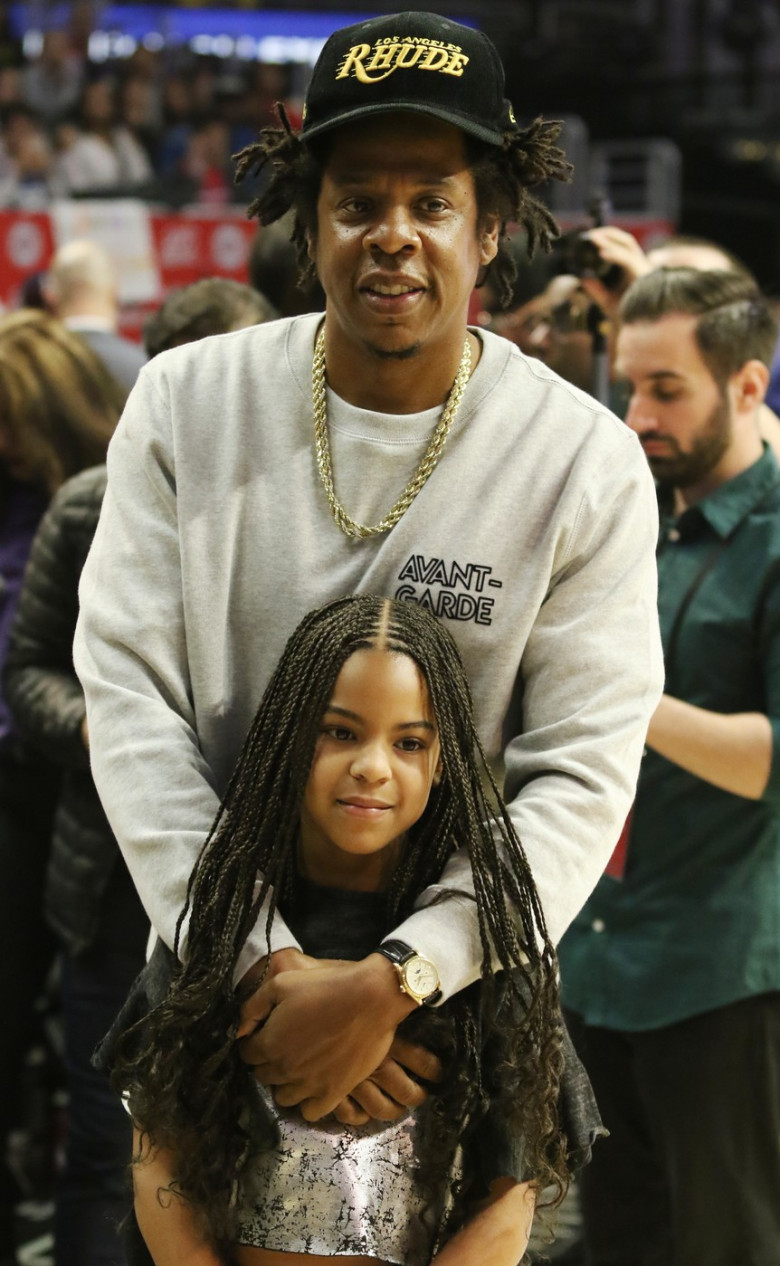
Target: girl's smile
point(365, 808)
point(374, 765)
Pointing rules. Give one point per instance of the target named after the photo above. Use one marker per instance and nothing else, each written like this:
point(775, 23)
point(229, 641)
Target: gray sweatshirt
point(534, 538)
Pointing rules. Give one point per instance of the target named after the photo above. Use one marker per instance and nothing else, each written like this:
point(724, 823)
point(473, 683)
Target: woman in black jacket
point(58, 410)
point(89, 899)
point(90, 902)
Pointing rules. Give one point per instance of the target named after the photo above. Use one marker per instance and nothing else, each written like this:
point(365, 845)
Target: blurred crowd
point(159, 124)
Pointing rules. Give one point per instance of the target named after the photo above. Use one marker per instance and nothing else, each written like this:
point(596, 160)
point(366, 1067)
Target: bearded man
point(672, 970)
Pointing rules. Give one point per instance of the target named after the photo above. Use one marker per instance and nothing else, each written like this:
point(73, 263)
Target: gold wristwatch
point(417, 976)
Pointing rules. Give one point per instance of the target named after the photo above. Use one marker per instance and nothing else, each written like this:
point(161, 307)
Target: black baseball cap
point(413, 61)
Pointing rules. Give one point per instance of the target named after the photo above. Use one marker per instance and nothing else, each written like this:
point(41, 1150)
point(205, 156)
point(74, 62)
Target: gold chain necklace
point(420, 476)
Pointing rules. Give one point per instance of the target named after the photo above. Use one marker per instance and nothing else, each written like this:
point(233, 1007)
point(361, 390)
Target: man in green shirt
point(672, 971)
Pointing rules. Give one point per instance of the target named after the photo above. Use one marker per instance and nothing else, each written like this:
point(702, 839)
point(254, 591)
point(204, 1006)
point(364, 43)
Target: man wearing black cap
point(385, 449)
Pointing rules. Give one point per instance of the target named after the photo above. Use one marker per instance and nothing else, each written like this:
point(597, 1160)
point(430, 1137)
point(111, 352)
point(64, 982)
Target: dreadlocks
point(189, 1089)
point(502, 175)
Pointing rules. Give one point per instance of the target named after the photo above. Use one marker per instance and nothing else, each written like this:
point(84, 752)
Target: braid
point(520, 1022)
point(188, 1087)
point(503, 177)
point(294, 184)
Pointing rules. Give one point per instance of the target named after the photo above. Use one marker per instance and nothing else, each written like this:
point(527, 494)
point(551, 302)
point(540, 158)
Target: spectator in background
point(178, 108)
point(51, 424)
point(90, 902)
point(102, 154)
point(31, 292)
point(146, 67)
point(89, 899)
point(26, 159)
point(52, 83)
point(685, 251)
point(81, 23)
point(58, 409)
point(553, 326)
point(11, 52)
point(203, 84)
point(214, 305)
point(672, 969)
point(618, 247)
point(270, 84)
point(206, 161)
point(531, 277)
point(274, 271)
point(238, 108)
point(139, 113)
point(81, 291)
point(10, 86)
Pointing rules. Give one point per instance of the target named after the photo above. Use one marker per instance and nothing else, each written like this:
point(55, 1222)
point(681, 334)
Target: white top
point(91, 161)
point(534, 538)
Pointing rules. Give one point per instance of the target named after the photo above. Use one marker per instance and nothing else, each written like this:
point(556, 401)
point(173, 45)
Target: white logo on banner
point(228, 247)
point(25, 244)
point(179, 246)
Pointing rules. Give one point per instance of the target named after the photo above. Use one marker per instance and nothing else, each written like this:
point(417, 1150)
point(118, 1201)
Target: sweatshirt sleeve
point(131, 657)
point(591, 676)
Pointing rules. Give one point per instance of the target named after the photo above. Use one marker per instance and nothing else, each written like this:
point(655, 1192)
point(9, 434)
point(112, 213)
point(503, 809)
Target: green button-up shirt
point(695, 921)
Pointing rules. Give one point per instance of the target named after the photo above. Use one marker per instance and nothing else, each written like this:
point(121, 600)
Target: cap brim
point(489, 135)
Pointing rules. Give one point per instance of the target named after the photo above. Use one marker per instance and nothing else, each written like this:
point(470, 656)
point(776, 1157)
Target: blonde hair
point(59, 405)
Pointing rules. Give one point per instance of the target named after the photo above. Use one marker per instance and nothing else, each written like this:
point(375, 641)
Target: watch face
point(421, 976)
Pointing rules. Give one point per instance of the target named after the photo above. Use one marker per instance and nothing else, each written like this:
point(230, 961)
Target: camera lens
point(587, 262)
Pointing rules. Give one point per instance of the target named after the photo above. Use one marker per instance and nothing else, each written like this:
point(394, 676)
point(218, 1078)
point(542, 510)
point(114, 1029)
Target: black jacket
point(89, 893)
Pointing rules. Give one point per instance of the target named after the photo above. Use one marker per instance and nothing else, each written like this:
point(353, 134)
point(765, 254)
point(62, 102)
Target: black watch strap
point(397, 951)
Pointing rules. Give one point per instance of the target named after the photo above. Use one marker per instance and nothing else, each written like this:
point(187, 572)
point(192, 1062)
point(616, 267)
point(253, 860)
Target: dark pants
point(690, 1175)
point(93, 1196)
point(27, 794)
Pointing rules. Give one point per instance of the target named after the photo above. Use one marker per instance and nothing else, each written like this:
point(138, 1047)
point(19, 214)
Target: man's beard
point(682, 469)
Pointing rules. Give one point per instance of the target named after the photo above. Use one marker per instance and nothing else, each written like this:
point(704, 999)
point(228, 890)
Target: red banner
point(188, 246)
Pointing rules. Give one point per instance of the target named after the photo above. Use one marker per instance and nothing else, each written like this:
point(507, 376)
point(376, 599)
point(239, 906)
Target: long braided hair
point(503, 177)
point(188, 1088)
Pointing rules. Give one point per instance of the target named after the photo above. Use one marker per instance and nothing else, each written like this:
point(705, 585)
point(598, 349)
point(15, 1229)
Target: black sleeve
point(147, 991)
point(39, 681)
point(500, 1153)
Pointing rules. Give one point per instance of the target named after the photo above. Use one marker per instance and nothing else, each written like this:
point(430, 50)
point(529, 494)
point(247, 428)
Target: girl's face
point(376, 759)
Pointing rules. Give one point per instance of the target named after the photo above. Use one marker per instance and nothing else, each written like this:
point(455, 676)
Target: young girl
point(361, 772)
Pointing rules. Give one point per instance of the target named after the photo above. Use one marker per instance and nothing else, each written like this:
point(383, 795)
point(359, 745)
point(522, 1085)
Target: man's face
point(397, 245)
point(553, 328)
point(569, 343)
point(682, 416)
